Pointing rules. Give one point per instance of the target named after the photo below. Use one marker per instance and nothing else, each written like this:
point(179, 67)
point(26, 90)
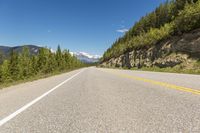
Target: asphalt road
point(96, 100)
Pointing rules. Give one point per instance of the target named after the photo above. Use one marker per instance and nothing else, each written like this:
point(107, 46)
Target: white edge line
point(11, 116)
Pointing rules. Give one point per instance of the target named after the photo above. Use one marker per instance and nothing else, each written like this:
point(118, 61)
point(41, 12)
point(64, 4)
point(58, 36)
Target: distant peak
point(86, 57)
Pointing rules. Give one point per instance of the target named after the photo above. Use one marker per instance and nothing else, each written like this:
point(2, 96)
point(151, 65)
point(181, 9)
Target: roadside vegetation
point(23, 66)
point(176, 69)
point(174, 17)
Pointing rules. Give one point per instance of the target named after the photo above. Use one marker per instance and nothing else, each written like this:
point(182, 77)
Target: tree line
point(171, 18)
point(20, 66)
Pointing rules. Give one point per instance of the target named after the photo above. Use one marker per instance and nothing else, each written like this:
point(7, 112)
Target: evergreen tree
point(25, 63)
point(59, 58)
point(14, 67)
point(1, 58)
point(42, 60)
point(67, 59)
point(5, 72)
point(51, 64)
point(34, 63)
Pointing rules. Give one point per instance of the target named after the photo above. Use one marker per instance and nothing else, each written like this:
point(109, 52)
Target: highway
point(98, 100)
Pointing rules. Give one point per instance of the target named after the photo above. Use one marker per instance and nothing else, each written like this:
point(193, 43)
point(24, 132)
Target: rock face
point(179, 50)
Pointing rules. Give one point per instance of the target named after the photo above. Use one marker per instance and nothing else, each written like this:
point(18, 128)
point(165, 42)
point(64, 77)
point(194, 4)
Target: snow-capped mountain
point(85, 57)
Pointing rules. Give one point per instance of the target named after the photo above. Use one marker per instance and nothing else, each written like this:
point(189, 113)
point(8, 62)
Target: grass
point(34, 78)
point(195, 69)
point(170, 70)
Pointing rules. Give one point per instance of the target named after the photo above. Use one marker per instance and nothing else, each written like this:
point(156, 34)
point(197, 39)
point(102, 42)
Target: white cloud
point(122, 30)
point(49, 31)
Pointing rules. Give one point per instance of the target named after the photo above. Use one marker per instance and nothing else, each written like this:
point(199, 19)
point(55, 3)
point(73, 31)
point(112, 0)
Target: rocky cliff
point(182, 51)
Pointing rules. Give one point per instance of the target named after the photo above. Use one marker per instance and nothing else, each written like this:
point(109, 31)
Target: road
point(97, 100)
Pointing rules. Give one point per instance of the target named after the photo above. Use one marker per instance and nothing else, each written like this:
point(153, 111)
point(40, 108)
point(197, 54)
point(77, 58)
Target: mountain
point(85, 57)
point(5, 50)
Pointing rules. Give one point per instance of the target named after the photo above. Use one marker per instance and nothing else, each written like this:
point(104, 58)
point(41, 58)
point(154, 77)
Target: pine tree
point(14, 66)
point(34, 62)
point(51, 63)
point(25, 63)
point(1, 58)
point(59, 58)
point(42, 60)
point(66, 56)
point(5, 72)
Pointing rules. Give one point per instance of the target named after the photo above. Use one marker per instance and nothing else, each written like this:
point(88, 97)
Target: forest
point(171, 18)
point(23, 66)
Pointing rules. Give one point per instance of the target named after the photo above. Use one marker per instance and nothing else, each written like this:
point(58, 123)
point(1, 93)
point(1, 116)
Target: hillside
point(6, 50)
point(167, 37)
point(32, 49)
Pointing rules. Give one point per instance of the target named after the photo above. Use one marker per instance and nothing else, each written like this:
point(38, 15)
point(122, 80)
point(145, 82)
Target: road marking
point(11, 116)
point(170, 86)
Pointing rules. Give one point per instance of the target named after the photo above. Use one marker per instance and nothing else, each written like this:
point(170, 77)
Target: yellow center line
point(170, 86)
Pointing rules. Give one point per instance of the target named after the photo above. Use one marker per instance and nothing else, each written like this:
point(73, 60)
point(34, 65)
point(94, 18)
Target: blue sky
point(79, 25)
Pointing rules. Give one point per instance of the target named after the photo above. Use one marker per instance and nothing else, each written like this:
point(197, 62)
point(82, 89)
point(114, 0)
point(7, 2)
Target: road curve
point(93, 99)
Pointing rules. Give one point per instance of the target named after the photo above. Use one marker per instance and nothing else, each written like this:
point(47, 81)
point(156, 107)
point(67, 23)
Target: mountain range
point(5, 50)
point(83, 56)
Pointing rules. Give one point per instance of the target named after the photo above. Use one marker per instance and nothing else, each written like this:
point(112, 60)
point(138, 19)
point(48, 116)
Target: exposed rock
point(178, 50)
